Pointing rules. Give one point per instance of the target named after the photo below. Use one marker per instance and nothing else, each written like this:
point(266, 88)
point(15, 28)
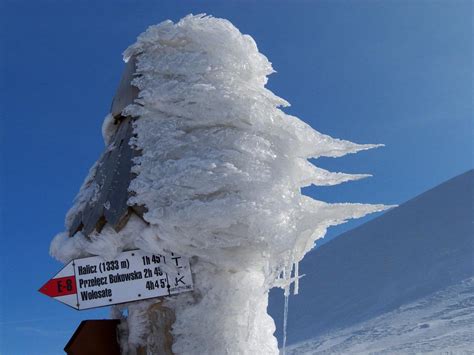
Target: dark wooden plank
point(113, 174)
point(126, 92)
point(95, 337)
point(113, 177)
point(117, 193)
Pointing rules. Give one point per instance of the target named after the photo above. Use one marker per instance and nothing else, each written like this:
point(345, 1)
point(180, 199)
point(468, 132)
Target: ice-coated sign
point(134, 275)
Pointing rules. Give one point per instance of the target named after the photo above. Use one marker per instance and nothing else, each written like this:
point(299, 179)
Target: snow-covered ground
point(402, 282)
point(441, 323)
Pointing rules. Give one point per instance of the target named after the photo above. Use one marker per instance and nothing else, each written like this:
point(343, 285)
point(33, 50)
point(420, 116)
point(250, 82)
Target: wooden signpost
point(134, 275)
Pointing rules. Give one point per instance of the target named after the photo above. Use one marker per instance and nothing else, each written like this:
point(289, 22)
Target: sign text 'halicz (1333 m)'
point(132, 276)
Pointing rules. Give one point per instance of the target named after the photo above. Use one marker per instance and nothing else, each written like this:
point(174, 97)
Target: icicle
point(287, 277)
point(297, 278)
point(285, 321)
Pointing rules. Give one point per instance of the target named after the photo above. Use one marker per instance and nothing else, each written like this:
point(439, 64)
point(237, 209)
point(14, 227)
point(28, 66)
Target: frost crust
point(222, 164)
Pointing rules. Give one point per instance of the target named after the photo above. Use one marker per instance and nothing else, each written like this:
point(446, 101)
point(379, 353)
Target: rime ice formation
point(220, 174)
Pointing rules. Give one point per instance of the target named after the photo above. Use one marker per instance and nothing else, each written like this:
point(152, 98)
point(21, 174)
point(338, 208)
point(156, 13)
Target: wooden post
point(159, 340)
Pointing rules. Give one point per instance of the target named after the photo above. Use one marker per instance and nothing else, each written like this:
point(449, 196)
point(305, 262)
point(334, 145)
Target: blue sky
point(392, 72)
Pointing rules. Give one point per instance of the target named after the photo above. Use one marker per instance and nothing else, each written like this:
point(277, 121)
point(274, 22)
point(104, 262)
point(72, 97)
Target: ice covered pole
point(219, 175)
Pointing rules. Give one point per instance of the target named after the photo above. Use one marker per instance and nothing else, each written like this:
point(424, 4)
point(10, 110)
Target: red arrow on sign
point(61, 286)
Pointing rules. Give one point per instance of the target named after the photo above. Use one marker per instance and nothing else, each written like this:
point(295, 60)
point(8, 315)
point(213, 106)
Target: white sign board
point(132, 276)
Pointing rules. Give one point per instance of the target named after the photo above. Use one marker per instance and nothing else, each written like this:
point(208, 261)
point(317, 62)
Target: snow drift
point(220, 173)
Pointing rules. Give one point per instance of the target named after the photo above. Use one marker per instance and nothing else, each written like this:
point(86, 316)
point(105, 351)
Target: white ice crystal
point(220, 174)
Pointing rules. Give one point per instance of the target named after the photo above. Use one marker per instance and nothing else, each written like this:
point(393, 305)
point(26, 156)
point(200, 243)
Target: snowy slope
point(420, 248)
point(441, 323)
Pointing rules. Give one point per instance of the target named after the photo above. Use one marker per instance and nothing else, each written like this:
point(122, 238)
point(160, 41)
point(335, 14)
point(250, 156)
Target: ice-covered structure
point(219, 174)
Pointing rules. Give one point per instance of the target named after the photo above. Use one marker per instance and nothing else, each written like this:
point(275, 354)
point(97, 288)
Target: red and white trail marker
point(134, 275)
